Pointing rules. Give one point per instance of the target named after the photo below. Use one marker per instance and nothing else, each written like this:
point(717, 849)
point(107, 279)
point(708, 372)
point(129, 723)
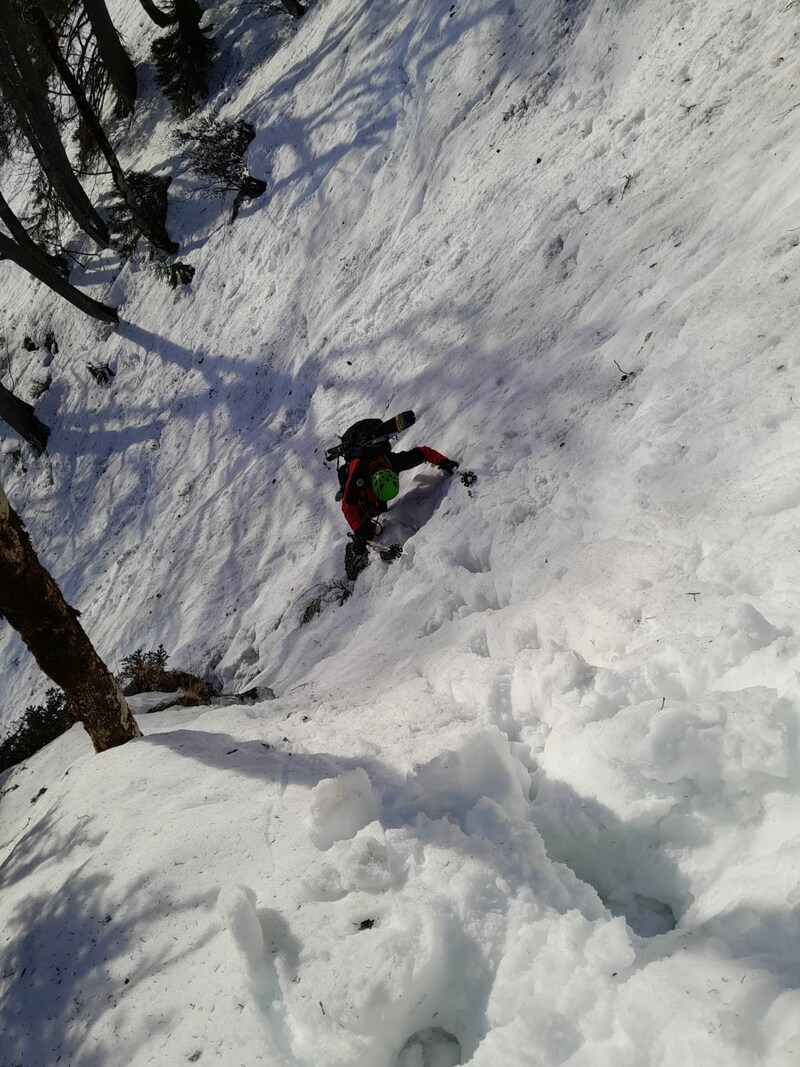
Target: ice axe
point(388, 553)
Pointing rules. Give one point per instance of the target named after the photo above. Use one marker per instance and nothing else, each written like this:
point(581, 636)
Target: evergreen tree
point(115, 58)
point(26, 242)
point(146, 221)
point(53, 271)
point(161, 18)
point(184, 56)
point(55, 280)
point(24, 88)
point(41, 724)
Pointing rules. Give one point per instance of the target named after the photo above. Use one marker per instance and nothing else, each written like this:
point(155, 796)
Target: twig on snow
point(785, 113)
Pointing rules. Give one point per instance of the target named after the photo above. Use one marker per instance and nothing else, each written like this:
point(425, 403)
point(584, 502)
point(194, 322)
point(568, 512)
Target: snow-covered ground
point(531, 795)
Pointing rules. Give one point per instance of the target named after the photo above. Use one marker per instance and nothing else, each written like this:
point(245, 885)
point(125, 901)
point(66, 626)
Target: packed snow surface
point(529, 796)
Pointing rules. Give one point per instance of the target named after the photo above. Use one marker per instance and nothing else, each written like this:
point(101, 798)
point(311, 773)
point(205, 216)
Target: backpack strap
point(354, 481)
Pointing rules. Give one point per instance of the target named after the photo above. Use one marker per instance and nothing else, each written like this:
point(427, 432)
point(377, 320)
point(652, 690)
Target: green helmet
point(385, 484)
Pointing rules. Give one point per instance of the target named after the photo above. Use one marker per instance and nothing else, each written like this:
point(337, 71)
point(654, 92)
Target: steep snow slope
point(550, 756)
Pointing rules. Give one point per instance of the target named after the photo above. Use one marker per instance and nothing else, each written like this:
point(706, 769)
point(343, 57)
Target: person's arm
point(404, 461)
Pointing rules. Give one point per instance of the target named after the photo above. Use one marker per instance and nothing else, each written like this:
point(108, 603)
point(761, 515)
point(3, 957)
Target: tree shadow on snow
point(75, 944)
point(359, 102)
point(262, 414)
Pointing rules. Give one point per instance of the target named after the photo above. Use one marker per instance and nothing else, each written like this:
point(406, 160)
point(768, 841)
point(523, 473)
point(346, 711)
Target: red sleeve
point(431, 455)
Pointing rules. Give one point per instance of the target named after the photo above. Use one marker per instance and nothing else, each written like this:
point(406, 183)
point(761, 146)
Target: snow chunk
point(236, 906)
point(364, 864)
point(453, 783)
point(342, 806)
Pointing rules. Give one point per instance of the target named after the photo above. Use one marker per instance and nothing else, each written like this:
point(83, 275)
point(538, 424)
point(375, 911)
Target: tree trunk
point(154, 232)
point(21, 418)
point(33, 604)
point(27, 94)
point(24, 240)
point(55, 281)
point(295, 10)
point(115, 58)
point(161, 18)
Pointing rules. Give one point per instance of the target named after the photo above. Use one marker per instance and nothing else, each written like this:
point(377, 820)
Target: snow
point(531, 795)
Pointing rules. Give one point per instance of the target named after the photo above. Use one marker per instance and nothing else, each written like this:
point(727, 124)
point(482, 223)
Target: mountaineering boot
point(356, 558)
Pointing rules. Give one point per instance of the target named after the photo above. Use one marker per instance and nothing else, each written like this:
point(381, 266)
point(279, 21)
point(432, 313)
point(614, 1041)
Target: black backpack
point(366, 434)
point(367, 439)
point(359, 443)
point(360, 440)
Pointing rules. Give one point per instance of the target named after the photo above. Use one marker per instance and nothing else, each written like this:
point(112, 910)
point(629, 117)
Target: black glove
point(449, 466)
point(392, 552)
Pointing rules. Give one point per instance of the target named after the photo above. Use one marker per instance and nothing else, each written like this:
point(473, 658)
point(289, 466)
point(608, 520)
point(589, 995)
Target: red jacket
point(359, 503)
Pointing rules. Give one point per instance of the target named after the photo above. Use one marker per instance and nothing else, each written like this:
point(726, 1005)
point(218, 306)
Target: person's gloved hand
point(392, 552)
point(449, 466)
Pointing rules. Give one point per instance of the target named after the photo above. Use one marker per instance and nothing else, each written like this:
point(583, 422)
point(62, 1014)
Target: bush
point(217, 156)
point(39, 387)
point(336, 592)
point(101, 372)
point(145, 672)
point(174, 274)
point(41, 724)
